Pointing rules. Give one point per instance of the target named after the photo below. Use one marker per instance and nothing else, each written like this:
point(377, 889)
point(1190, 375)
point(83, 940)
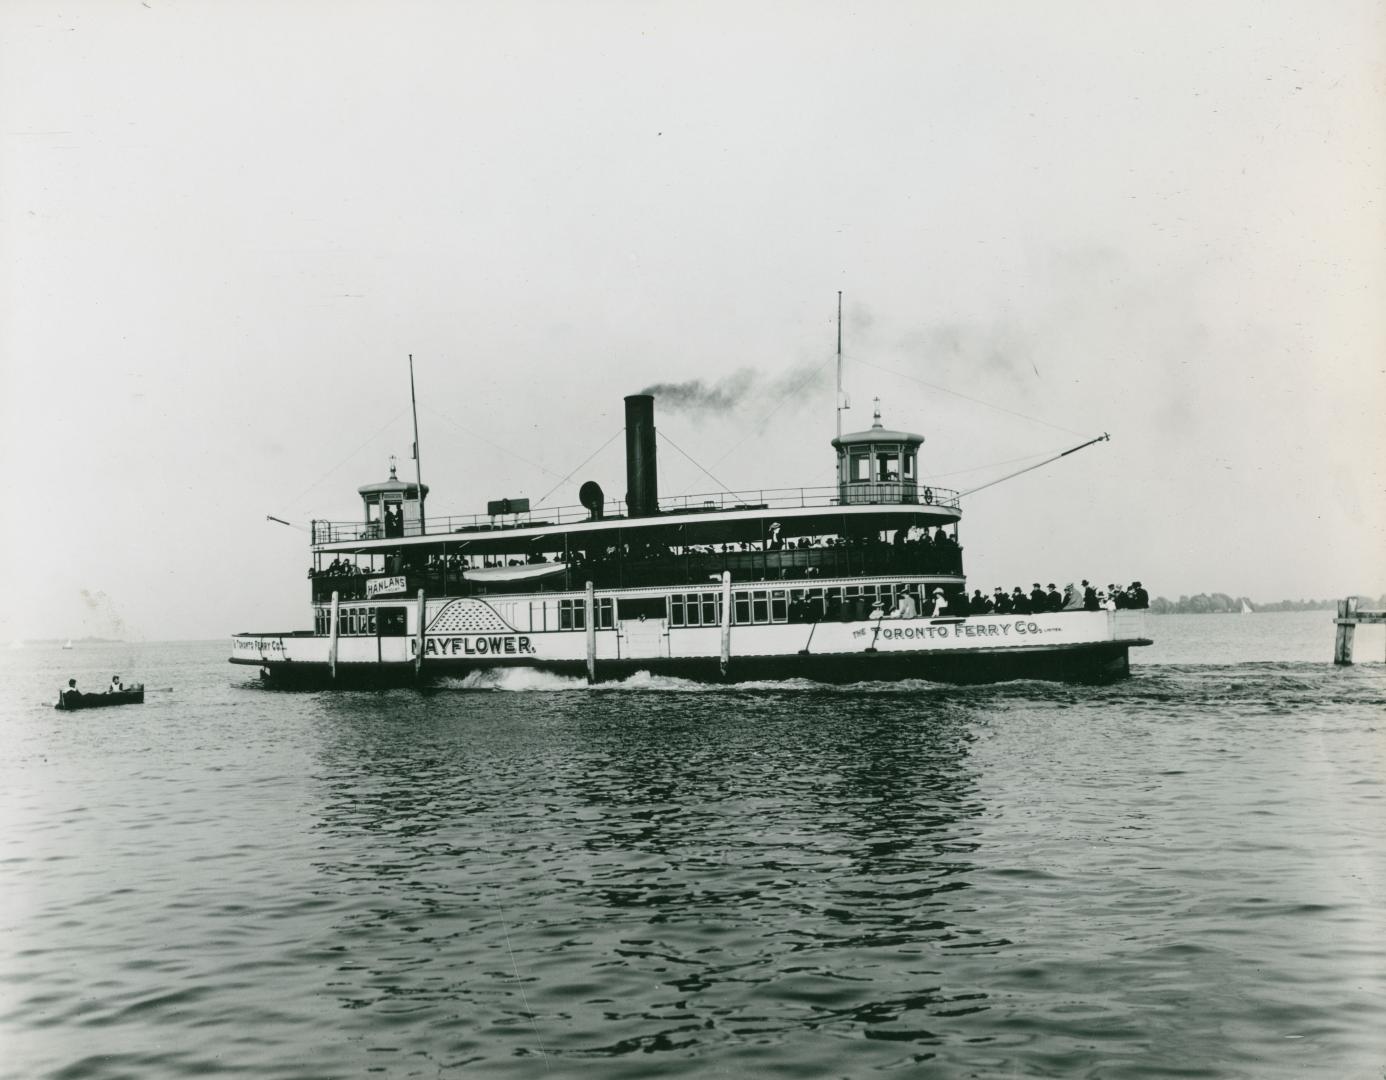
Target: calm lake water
point(1178, 876)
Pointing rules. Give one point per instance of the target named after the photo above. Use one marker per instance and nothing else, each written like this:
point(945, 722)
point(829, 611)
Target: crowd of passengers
point(940, 603)
point(1083, 597)
point(904, 538)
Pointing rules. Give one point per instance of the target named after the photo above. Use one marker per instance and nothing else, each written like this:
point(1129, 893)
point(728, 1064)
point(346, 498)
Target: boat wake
point(517, 679)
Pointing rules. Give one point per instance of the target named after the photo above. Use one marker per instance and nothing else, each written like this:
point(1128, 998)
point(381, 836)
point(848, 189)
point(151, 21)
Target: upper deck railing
point(884, 494)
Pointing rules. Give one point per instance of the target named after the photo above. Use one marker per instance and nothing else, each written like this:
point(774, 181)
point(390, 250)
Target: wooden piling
point(725, 661)
point(419, 631)
point(589, 614)
point(1348, 620)
point(334, 633)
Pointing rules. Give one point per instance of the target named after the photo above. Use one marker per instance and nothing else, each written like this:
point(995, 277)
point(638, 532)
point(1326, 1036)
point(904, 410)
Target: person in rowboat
point(69, 692)
point(116, 686)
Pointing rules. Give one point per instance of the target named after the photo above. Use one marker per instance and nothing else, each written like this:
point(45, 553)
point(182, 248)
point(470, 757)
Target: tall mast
point(418, 465)
point(838, 402)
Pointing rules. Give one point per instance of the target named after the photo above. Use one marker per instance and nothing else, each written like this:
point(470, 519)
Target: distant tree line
point(1222, 604)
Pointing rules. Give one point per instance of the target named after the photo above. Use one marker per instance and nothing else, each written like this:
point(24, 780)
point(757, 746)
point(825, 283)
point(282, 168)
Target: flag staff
point(418, 465)
point(838, 402)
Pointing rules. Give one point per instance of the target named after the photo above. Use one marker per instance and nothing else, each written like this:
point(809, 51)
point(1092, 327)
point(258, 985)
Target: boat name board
point(479, 645)
point(384, 586)
point(258, 646)
point(1022, 627)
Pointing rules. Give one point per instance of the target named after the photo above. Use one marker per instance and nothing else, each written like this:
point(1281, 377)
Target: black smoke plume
point(740, 390)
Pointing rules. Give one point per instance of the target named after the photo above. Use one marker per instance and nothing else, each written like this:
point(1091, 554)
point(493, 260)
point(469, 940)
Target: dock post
point(726, 622)
point(1342, 646)
point(334, 631)
point(589, 614)
point(419, 640)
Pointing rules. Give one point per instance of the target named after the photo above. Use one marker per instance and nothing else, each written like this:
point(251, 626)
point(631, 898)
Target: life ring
point(929, 495)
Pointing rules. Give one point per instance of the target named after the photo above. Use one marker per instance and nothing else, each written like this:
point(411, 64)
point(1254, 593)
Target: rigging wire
point(714, 479)
point(351, 455)
point(490, 442)
point(598, 450)
point(967, 397)
point(989, 465)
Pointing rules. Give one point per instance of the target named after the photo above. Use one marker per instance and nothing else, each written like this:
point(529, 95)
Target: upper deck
point(720, 515)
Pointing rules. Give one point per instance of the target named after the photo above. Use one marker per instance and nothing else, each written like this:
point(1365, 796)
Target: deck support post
point(419, 638)
point(333, 631)
point(589, 613)
point(726, 622)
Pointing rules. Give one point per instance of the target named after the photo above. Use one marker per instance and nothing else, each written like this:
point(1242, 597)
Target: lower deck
point(713, 634)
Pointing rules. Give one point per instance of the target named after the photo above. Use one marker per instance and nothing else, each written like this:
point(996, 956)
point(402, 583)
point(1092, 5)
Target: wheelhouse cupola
point(393, 507)
point(879, 465)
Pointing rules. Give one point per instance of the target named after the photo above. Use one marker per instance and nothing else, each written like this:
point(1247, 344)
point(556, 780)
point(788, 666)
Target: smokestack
point(642, 481)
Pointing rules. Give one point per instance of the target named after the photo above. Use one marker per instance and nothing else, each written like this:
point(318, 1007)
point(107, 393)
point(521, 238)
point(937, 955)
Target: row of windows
point(886, 465)
point(695, 609)
point(572, 614)
point(361, 621)
point(759, 606)
point(749, 608)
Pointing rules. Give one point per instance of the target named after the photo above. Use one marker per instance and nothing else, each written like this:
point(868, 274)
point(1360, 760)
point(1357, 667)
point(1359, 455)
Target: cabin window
point(712, 609)
point(572, 615)
point(606, 614)
point(741, 609)
point(909, 467)
point(779, 606)
point(888, 465)
point(760, 606)
point(861, 467)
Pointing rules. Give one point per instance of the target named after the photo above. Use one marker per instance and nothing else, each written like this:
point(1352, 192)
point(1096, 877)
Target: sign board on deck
point(386, 586)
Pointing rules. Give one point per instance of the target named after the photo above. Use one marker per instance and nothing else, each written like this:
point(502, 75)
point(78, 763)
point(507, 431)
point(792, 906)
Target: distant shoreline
point(1222, 604)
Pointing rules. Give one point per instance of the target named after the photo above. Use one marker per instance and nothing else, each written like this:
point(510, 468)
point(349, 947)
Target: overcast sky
point(224, 227)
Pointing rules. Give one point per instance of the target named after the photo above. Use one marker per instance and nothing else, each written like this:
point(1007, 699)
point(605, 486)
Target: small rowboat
point(73, 699)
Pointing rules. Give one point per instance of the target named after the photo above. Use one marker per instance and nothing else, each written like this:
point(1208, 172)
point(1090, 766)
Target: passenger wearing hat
point(1053, 599)
point(940, 603)
point(1089, 597)
point(980, 604)
point(1002, 601)
point(1037, 599)
point(1139, 597)
point(1020, 603)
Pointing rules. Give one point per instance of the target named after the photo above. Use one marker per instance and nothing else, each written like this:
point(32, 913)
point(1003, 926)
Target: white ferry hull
point(1069, 646)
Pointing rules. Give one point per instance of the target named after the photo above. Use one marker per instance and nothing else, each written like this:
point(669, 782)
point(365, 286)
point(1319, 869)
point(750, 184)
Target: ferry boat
point(826, 584)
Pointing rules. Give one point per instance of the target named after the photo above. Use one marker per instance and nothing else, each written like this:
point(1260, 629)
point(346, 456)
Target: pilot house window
point(888, 465)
